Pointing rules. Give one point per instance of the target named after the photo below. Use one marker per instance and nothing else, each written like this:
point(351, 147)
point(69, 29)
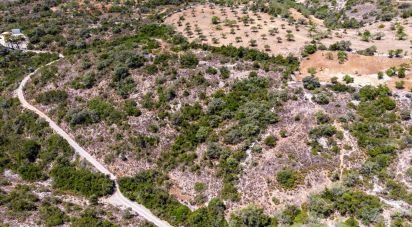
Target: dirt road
point(117, 199)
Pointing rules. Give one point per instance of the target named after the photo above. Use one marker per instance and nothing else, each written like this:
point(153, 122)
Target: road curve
point(117, 199)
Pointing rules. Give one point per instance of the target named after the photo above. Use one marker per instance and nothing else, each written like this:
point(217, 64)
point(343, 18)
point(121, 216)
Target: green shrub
point(90, 218)
point(309, 49)
point(21, 199)
point(51, 215)
point(76, 117)
point(31, 172)
point(215, 20)
point(342, 57)
point(224, 73)
point(341, 46)
point(288, 178)
point(251, 216)
point(87, 81)
point(322, 118)
point(212, 71)
point(81, 181)
point(400, 84)
point(145, 188)
point(51, 97)
point(311, 82)
point(135, 61)
point(130, 107)
point(212, 215)
point(293, 215)
point(104, 110)
point(348, 202)
point(188, 60)
point(120, 73)
point(324, 130)
point(348, 79)
point(122, 81)
point(321, 98)
point(142, 141)
point(270, 141)
point(214, 151)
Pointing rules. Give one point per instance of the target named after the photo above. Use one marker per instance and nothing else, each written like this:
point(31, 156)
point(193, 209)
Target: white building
point(14, 39)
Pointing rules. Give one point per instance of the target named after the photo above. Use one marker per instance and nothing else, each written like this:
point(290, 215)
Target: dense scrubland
point(200, 133)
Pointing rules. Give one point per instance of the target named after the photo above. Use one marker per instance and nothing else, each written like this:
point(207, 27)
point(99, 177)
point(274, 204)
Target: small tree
point(400, 84)
point(279, 39)
point(342, 57)
point(390, 53)
point(401, 73)
point(366, 35)
point(215, 20)
point(398, 53)
point(348, 79)
point(272, 32)
point(378, 35)
point(289, 36)
point(380, 75)
point(215, 40)
point(400, 32)
point(253, 43)
point(264, 36)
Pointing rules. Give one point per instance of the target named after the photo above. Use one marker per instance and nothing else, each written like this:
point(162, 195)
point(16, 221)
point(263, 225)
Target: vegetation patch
point(81, 181)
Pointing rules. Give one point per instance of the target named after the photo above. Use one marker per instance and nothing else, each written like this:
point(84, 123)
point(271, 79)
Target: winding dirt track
point(117, 199)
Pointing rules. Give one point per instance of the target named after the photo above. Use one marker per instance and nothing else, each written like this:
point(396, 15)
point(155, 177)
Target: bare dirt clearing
point(364, 69)
point(387, 31)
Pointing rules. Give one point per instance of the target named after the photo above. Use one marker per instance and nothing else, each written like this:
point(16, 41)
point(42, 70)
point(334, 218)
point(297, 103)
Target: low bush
point(81, 181)
point(311, 82)
point(52, 97)
point(188, 60)
point(288, 178)
point(347, 202)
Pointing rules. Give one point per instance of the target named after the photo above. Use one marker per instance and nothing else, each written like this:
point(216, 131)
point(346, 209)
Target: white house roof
point(16, 31)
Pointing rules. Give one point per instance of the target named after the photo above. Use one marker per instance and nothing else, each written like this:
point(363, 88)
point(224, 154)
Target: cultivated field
point(217, 25)
point(240, 28)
